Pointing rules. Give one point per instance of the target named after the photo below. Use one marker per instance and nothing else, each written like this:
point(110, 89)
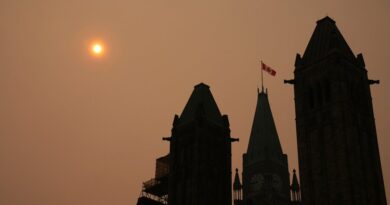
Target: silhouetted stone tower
point(265, 167)
point(337, 143)
point(200, 153)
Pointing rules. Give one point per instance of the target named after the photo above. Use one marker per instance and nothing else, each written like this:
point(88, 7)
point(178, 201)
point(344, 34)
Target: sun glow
point(97, 49)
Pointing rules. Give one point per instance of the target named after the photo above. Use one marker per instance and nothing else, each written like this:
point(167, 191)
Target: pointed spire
point(294, 183)
point(201, 105)
point(237, 183)
point(295, 190)
point(264, 141)
point(326, 39)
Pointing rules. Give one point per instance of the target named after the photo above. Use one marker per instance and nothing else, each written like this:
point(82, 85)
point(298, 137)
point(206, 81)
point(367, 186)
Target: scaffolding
point(155, 191)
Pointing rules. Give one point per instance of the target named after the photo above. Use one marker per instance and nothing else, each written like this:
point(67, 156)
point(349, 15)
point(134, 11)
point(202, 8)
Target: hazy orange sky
point(79, 131)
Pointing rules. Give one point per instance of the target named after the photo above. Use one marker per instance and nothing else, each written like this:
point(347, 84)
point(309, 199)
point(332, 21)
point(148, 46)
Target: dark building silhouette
point(265, 166)
point(337, 143)
point(198, 167)
point(200, 153)
point(197, 170)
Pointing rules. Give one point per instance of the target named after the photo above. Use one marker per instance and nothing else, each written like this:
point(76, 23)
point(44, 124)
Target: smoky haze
point(76, 130)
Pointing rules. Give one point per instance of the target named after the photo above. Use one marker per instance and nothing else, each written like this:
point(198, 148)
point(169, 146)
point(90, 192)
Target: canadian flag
point(268, 69)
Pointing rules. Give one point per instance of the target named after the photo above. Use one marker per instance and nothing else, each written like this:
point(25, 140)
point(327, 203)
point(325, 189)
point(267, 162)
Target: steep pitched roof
point(326, 39)
point(264, 141)
point(201, 103)
point(236, 183)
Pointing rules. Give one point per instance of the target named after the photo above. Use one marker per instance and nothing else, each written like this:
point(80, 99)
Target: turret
point(237, 189)
point(295, 189)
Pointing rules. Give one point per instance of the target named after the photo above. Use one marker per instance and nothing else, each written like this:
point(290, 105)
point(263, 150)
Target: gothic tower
point(200, 153)
point(265, 167)
point(337, 142)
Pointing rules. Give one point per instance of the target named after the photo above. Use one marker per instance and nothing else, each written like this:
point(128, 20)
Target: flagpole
point(262, 79)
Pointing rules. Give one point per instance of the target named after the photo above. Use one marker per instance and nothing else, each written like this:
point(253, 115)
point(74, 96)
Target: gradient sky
point(79, 131)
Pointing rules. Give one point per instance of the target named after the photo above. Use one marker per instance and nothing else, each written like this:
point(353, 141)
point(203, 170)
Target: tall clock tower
point(265, 167)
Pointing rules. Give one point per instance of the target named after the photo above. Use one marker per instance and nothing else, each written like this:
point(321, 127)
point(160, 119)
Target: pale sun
point(97, 49)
